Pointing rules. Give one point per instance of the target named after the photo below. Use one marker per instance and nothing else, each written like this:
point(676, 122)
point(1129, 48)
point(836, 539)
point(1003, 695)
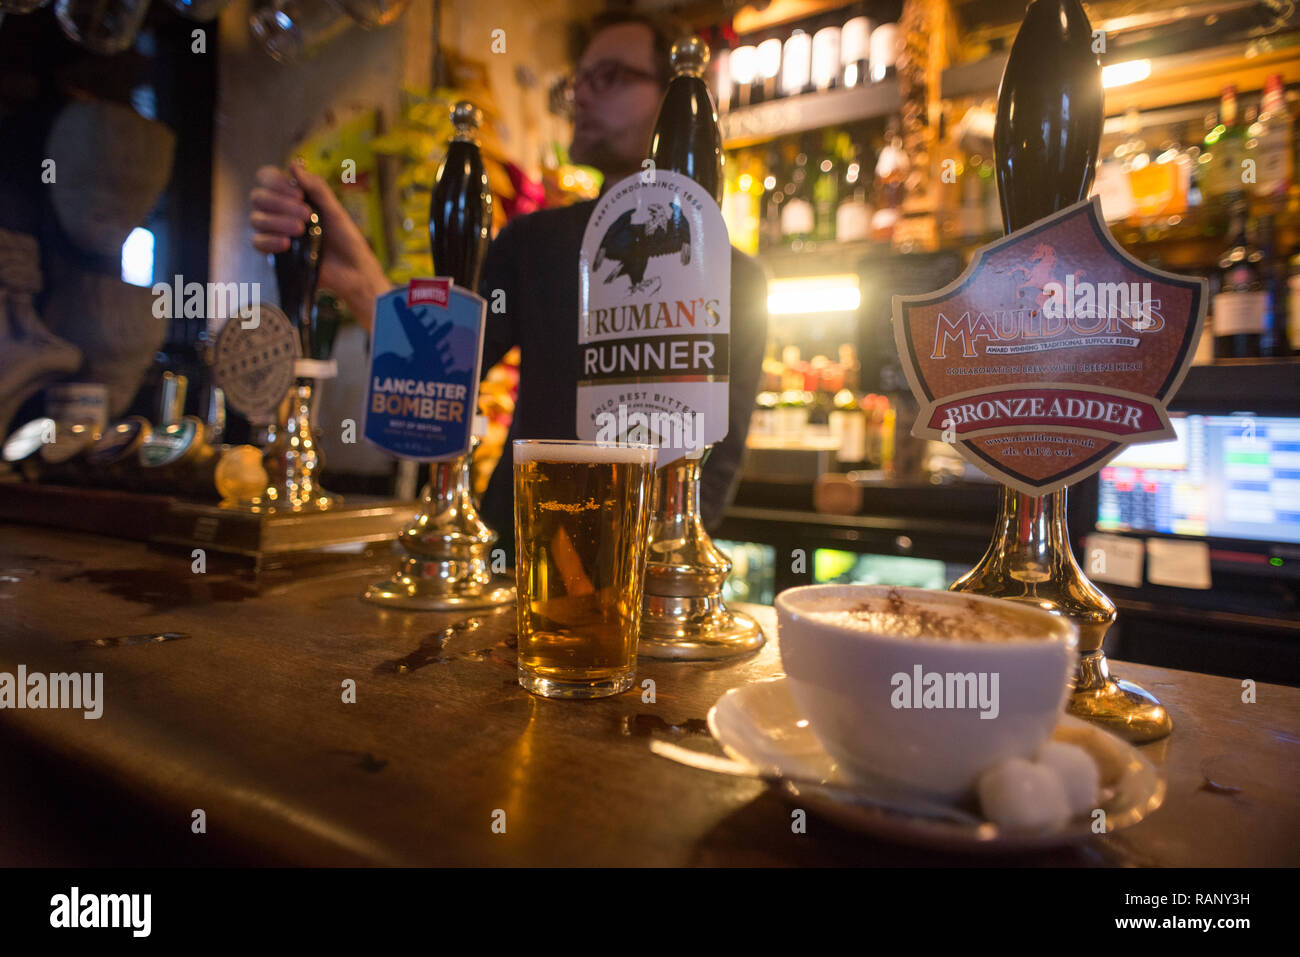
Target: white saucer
point(759, 724)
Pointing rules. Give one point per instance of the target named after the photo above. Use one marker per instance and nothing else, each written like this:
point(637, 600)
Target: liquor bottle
point(885, 44)
point(793, 369)
point(1241, 306)
point(892, 165)
point(852, 368)
point(1273, 341)
point(769, 236)
point(826, 58)
point(1202, 162)
point(1184, 158)
point(731, 200)
point(949, 164)
point(848, 421)
point(763, 420)
point(797, 216)
point(1159, 185)
point(767, 70)
point(752, 181)
point(823, 383)
point(974, 186)
point(1113, 183)
point(1249, 152)
point(1225, 144)
point(744, 68)
point(1272, 134)
point(720, 77)
point(880, 431)
point(796, 64)
point(773, 370)
point(1293, 305)
point(741, 206)
point(826, 189)
point(855, 45)
point(792, 411)
point(853, 217)
point(992, 207)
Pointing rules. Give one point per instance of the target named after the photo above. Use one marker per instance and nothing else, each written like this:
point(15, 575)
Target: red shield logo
point(1051, 352)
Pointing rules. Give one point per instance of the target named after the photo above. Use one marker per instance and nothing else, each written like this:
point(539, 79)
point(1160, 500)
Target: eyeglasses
point(602, 77)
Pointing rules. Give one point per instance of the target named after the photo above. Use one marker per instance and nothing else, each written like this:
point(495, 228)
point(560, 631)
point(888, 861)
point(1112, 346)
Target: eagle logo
point(631, 245)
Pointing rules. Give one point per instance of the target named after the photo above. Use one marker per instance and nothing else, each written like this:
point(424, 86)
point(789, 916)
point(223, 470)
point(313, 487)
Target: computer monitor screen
point(1224, 476)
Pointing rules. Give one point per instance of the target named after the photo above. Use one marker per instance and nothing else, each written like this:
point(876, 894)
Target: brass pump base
point(687, 630)
point(292, 462)
point(1120, 707)
point(1030, 560)
point(414, 590)
point(683, 616)
point(448, 551)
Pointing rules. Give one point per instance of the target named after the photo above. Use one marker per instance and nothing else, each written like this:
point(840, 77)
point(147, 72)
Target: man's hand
point(279, 211)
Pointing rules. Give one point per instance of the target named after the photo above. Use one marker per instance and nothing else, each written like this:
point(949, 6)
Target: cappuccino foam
point(952, 619)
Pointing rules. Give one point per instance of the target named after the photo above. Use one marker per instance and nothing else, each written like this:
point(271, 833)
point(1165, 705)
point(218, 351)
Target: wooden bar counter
point(226, 696)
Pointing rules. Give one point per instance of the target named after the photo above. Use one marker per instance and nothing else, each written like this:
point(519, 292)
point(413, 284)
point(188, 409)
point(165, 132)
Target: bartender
point(617, 85)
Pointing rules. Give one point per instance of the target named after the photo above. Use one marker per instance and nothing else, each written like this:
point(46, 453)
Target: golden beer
point(582, 513)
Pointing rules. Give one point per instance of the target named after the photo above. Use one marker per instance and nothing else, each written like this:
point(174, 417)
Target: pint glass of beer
point(582, 516)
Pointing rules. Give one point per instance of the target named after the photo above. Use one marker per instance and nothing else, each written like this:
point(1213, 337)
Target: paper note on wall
point(1179, 564)
point(1115, 559)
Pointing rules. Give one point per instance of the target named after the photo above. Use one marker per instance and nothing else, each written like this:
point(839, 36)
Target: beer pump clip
point(269, 365)
point(655, 246)
point(1053, 350)
point(425, 354)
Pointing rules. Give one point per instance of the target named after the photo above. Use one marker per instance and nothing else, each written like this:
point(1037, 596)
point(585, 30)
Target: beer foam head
point(584, 453)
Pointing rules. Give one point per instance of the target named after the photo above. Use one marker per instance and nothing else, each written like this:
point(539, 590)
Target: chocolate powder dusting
point(895, 615)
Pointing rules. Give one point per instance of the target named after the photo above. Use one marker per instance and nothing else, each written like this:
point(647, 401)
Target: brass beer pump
point(448, 547)
point(684, 616)
point(1046, 141)
point(292, 457)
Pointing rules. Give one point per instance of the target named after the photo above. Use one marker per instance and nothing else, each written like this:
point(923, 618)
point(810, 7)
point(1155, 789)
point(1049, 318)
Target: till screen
point(1225, 476)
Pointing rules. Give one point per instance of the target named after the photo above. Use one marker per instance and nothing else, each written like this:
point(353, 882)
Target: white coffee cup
point(862, 662)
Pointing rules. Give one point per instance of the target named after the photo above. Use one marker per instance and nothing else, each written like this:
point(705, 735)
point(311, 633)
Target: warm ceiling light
point(1122, 74)
point(793, 297)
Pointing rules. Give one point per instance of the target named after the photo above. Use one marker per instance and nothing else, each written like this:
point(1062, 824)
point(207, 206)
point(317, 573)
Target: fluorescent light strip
point(814, 294)
point(1122, 74)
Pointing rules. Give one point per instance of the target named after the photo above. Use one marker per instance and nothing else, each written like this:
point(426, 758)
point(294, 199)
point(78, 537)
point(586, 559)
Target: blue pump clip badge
point(424, 366)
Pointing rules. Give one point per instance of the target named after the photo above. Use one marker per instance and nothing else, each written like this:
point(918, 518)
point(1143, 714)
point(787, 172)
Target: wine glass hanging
point(101, 26)
point(200, 11)
point(20, 6)
point(292, 30)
